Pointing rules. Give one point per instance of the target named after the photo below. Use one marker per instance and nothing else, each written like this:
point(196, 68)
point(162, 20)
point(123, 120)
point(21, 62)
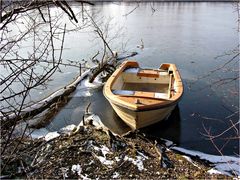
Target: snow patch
point(96, 121)
point(83, 89)
point(104, 149)
point(86, 84)
point(115, 175)
point(76, 169)
point(104, 161)
point(39, 133)
point(214, 171)
point(191, 161)
point(138, 161)
point(51, 135)
point(117, 159)
point(68, 129)
point(141, 154)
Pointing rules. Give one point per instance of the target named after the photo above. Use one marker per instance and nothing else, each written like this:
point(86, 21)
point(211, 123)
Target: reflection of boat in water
point(142, 97)
point(169, 128)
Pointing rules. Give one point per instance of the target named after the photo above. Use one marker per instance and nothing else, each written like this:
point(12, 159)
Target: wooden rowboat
point(142, 97)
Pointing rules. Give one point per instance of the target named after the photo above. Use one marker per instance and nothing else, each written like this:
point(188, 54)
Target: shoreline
point(91, 152)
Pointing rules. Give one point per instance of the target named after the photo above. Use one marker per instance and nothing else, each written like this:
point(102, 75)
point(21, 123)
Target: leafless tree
point(32, 43)
point(31, 48)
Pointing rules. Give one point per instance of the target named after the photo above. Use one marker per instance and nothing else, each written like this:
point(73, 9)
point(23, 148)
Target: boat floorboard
point(146, 87)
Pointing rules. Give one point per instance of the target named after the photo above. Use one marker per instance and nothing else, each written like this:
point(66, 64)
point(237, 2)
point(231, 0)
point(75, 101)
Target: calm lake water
point(190, 35)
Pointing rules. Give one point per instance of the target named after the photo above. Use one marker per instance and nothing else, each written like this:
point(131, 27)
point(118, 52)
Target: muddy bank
point(88, 152)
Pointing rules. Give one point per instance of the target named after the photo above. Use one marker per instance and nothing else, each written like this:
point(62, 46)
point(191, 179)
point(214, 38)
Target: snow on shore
point(228, 165)
point(83, 89)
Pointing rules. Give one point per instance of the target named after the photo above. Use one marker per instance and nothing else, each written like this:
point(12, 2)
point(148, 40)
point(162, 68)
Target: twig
point(131, 10)
point(87, 109)
point(216, 147)
point(233, 126)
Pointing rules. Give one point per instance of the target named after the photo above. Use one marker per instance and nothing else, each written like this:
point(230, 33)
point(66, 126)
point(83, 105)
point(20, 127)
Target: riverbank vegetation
point(89, 152)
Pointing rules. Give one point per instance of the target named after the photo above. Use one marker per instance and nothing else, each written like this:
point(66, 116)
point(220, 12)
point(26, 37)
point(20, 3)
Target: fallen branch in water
point(40, 106)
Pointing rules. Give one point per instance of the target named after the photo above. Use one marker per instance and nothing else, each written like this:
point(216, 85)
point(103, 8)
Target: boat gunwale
point(173, 103)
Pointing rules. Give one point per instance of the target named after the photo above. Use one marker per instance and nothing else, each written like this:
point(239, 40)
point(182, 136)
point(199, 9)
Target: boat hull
point(140, 119)
point(142, 97)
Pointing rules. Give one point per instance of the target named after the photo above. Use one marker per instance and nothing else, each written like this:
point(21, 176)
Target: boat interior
point(144, 83)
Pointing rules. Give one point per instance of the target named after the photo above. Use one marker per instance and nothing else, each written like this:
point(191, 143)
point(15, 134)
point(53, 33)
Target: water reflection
point(169, 129)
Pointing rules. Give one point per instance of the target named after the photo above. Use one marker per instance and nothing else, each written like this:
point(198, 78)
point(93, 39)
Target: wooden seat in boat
point(143, 94)
point(148, 73)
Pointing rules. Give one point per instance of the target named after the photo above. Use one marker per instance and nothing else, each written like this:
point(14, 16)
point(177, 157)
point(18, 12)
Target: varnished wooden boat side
point(150, 109)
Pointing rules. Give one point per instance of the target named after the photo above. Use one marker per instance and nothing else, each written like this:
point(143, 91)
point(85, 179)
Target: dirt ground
point(93, 153)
